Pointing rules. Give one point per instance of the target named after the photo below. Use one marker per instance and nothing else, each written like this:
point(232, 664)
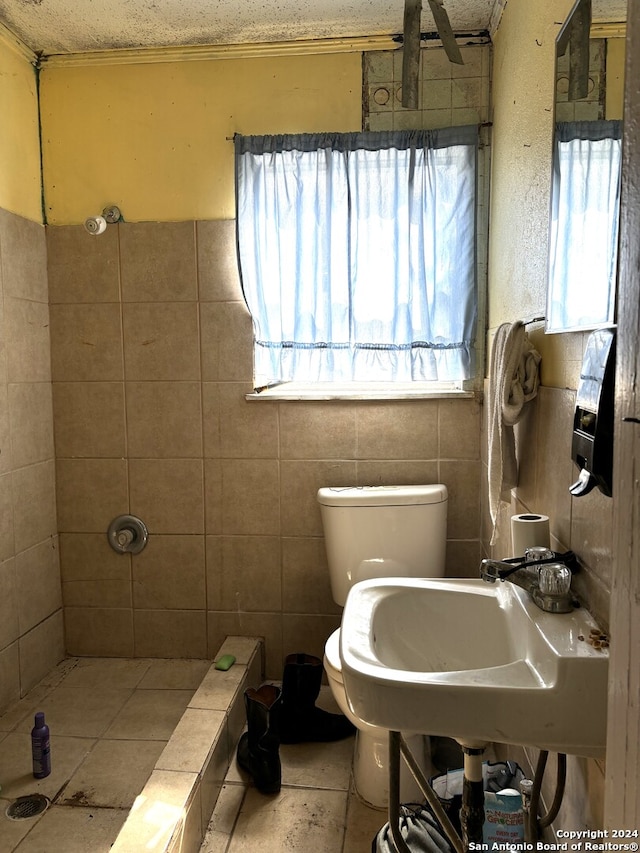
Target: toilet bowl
point(373, 532)
point(371, 751)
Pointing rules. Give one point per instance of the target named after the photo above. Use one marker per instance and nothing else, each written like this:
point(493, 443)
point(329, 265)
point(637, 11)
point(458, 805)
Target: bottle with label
point(40, 747)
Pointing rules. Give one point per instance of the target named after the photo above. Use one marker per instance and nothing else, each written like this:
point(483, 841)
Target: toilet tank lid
point(382, 495)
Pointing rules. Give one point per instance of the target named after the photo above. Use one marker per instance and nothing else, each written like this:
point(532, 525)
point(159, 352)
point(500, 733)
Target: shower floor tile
point(174, 675)
point(16, 771)
point(107, 672)
point(80, 711)
point(149, 715)
point(113, 774)
point(74, 830)
point(94, 779)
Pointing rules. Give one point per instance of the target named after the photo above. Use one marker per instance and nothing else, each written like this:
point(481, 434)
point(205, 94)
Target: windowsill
point(292, 391)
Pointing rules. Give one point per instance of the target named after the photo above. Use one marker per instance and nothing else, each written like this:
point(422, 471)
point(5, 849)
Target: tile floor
point(106, 740)
point(316, 810)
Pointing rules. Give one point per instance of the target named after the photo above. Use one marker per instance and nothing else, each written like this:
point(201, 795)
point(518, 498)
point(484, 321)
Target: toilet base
point(371, 768)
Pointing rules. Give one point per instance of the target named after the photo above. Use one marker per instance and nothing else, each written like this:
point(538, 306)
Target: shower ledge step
point(172, 812)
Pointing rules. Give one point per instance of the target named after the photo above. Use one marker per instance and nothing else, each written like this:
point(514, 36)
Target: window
point(583, 242)
point(357, 255)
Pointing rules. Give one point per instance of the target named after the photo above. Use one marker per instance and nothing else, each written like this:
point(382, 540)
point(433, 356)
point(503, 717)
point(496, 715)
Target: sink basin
point(474, 661)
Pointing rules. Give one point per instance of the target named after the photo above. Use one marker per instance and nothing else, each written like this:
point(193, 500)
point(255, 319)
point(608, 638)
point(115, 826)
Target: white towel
point(513, 381)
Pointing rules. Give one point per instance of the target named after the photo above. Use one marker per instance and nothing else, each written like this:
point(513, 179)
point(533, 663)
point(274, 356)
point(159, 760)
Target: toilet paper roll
point(528, 530)
point(95, 225)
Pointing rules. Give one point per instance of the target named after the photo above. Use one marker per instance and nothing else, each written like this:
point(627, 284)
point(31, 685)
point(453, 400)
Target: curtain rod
point(481, 125)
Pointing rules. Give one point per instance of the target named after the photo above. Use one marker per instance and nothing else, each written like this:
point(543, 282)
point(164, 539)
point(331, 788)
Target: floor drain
point(26, 807)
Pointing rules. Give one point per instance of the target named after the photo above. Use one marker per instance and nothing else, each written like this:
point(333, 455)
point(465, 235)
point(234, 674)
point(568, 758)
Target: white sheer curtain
point(357, 254)
point(583, 244)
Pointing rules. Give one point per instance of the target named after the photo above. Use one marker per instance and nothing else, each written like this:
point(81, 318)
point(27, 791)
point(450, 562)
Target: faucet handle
point(554, 579)
point(552, 592)
point(536, 553)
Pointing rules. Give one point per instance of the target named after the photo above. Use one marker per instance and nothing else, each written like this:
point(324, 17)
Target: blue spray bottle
point(40, 747)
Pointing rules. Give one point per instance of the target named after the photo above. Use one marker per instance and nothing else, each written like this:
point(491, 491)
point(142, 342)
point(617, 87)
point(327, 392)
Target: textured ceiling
point(66, 26)
point(74, 26)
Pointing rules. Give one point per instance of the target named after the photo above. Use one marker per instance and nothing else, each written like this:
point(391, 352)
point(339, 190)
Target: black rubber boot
point(259, 746)
point(300, 720)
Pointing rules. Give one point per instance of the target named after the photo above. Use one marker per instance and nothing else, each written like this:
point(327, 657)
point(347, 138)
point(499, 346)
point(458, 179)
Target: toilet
point(374, 532)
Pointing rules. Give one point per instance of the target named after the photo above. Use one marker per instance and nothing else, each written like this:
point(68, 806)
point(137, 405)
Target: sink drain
point(26, 807)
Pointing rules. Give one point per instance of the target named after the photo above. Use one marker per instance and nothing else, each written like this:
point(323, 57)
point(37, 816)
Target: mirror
point(586, 178)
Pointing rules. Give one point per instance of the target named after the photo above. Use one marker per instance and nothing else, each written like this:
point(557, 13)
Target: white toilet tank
point(383, 531)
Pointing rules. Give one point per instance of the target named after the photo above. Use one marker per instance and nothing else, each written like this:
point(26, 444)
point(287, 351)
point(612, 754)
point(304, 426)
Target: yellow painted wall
point(152, 138)
point(523, 117)
point(615, 77)
point(19, 142)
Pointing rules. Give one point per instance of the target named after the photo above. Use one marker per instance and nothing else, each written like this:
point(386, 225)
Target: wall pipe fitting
point(96, 225)
point(127, 534)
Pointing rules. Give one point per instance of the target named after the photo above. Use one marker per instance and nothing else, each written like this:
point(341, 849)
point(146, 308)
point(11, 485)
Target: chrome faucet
point(542, 573)
point(519, 573)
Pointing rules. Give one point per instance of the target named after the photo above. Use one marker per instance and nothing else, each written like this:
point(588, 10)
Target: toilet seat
point(332, 662)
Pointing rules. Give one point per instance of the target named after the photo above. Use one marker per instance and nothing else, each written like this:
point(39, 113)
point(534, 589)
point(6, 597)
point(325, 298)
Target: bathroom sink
point(473, 661)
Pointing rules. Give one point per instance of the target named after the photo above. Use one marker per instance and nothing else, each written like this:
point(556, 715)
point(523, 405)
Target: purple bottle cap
point(39, 719)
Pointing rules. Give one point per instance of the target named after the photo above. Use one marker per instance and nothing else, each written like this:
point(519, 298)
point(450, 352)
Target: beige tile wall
point(31, 633)
point(584, 525)
point(448, 94)
point(151, 361)
point(593, 107)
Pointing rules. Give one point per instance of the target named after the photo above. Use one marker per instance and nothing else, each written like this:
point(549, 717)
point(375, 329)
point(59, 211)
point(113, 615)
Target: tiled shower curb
point(172, 812)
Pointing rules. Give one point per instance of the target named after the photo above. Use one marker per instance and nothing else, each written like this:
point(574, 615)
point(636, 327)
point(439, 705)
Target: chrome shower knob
point(127, 534)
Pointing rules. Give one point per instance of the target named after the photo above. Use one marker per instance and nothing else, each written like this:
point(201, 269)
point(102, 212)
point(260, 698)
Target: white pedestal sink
point(473, 661)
